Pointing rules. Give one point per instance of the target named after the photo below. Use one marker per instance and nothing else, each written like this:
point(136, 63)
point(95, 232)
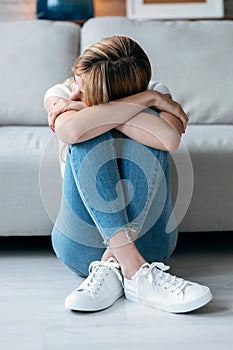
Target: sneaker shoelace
point(98, 271)
point(156, 274)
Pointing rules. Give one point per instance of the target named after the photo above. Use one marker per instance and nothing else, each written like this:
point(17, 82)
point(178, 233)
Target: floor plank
point(34, 284)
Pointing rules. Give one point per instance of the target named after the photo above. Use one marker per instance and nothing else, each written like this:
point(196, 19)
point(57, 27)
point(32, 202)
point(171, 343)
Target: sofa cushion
point(211, 151)
point(34, 56)
point(26, 173)
point(193, 58)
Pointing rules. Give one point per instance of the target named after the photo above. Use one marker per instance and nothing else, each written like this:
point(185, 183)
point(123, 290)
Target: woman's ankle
point(129, 259)
point(129, 271)
point(107, 255)
point(128, 266)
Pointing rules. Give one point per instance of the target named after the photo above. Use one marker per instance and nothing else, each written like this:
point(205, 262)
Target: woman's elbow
point(173, 143)
point(69, 137)
point(170, 141)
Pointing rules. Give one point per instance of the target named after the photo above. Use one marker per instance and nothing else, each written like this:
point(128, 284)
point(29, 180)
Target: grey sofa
point(193, 58)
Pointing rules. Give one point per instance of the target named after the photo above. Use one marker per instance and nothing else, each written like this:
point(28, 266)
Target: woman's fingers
point(51, 119)
point(58, 108)
point(182, 116)
point(52, 116)
point(176, 109)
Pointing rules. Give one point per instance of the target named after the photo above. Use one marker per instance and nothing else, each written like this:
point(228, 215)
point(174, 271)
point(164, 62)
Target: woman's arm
point(148, 132)
point(153, 131)
point(73, 127)
point(56, 106)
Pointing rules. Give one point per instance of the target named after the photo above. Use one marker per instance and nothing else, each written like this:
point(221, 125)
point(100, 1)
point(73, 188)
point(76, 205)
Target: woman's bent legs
point(90, 215)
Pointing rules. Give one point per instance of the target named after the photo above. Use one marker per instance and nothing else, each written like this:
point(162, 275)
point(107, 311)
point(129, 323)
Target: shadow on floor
point(187, 242)
point(205, 241)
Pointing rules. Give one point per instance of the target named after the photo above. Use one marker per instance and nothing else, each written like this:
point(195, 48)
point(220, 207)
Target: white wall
point(26, 9)
point(17, 9)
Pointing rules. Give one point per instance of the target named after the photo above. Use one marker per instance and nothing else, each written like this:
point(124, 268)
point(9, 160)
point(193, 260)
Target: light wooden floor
point(34, 284)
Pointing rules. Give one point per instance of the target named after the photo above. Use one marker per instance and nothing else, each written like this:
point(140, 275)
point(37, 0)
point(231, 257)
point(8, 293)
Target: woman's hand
point(159, 101)
point(62, 105)
point(165, 103)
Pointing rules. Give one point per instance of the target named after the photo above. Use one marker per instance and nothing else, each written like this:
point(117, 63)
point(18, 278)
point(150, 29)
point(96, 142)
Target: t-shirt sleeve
point(58, 90)
point(157, 86)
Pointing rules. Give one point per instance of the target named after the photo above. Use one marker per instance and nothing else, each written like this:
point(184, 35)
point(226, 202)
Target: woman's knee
point(75, 256)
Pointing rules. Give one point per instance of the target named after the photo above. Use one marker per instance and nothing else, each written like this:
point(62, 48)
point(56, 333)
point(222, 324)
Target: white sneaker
point(99, 290)
point(154, 287)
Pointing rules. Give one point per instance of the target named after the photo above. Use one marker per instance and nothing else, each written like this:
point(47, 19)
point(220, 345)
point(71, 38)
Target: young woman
point(116, 200)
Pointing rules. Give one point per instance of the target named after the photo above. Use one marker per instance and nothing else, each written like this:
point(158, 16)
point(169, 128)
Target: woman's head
point(112, 68)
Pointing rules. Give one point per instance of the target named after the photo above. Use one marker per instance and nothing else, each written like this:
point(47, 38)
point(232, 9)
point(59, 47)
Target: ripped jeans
point(112, 182)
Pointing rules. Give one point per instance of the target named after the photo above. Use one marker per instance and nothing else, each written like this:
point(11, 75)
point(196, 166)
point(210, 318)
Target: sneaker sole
point(175, 308)
point(75, 306)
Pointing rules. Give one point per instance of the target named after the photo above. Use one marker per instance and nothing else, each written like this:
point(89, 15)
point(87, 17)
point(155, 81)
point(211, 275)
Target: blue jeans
point(112, 182)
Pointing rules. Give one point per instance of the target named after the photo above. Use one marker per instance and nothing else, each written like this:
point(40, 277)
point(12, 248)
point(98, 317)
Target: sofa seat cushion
point(211, 151)
point(30, 190)
point(21, 206)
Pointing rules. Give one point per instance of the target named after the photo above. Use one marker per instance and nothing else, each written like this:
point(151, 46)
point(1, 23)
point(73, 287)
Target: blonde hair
point(112, 68)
